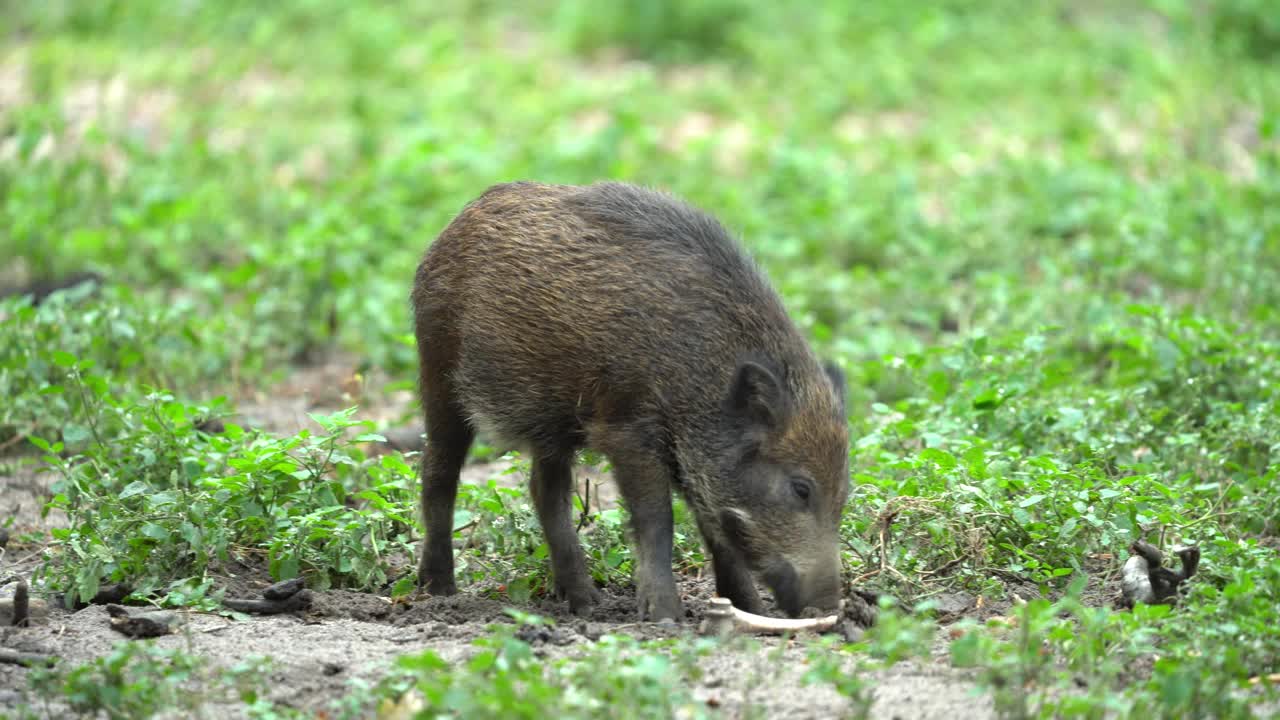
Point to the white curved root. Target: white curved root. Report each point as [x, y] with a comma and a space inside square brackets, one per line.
[723, 618]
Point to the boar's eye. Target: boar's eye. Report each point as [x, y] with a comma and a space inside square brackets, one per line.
[801, 488]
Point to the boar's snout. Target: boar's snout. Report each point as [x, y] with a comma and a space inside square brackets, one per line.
[817, 587]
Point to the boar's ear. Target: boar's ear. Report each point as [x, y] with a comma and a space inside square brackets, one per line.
[757, 395]
[836, 375]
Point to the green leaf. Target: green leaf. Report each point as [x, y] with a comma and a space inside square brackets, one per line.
[155, 532]
[519, 590]
[404, 586]
[987, 400]
[461, 518]
[74, 434]
[87, 583]
[137, 487]
[941, 458]
[1067, 531]
[1070, 418]
[63, 359]
[97, 384]
[481, 662]
[966, 651]
[939, 385]
[396, 464]
[191, 533]
[286, 568]
[1033, 500]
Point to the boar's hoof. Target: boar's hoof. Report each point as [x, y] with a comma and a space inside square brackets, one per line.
[582, 597]
[659, 606]
[438, 585]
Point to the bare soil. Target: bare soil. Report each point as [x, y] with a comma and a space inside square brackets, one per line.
[347, 635]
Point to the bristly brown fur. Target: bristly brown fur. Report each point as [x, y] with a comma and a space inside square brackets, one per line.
[621, 319]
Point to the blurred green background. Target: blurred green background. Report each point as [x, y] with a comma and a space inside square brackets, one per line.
[907, 173]
[1042, 238]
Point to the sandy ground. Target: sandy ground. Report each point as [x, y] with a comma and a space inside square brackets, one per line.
[346, 635]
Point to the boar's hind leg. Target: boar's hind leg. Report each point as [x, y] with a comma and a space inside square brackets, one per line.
[449, 437]
[645, 484]
[552, 490]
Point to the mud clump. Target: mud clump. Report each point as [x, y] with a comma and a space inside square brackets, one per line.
[860, 607]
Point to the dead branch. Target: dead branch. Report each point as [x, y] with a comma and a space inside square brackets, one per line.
[283, 597]
[14, 657]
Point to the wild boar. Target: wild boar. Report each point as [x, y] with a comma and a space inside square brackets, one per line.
[621, 319]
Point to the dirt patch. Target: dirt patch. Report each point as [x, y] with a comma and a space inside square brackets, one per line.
[312, 660]
[348, 636]
[770, 683]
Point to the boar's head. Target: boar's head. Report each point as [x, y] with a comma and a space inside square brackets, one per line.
[784, 466]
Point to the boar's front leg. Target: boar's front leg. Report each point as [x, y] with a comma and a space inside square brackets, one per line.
[552, 489]
[733, 578]
[645, 484]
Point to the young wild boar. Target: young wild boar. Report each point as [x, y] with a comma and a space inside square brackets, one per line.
[620, 319]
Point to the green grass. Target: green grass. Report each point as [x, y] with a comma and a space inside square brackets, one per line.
[1042, 239]
[139, 679]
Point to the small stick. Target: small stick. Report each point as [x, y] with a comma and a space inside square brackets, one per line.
[13, 657]
[107, 595]
[17, 438]
[21, 605]
[298, 601]
[285, 589]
